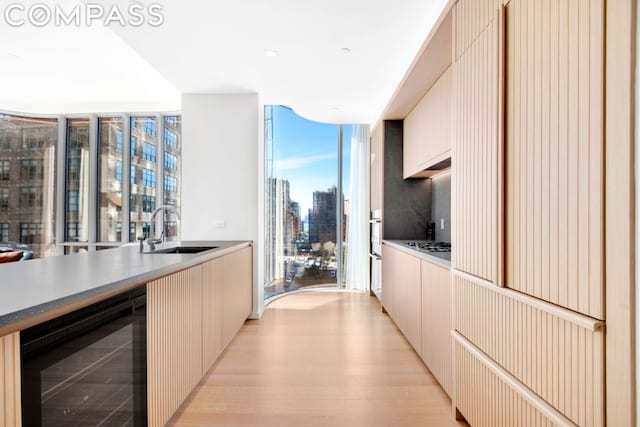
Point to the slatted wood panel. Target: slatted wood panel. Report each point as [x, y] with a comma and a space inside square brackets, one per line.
[401, 293]
[10, 403]
[471, 18]
[212, 277]
[487, 396]
[174, 341]
[475, 157]
[389, 275]
[237, 292]
[427, 129]
[437, 323]
[559, 359]
[621, 220]
[377, 157]
[412, 303]
[554, 152]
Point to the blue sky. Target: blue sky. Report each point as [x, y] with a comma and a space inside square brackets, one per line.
[306, 154]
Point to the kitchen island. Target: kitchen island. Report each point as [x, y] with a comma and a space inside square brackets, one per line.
[195, 304]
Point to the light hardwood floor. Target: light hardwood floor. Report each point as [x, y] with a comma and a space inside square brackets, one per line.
[318, 359]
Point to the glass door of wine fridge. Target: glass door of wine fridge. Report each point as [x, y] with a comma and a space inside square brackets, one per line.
[88, 368]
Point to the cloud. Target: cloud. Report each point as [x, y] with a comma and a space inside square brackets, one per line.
[301, 162]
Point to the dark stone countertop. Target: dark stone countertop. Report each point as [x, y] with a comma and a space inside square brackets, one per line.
[37, 290]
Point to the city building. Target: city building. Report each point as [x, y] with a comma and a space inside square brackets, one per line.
[282, 229]
[29, 184]
[526, 111]
[322, 218]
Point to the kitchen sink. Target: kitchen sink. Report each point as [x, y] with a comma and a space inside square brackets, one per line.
[183, 250]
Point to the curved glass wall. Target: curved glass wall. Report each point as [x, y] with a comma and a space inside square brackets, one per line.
[305, 215]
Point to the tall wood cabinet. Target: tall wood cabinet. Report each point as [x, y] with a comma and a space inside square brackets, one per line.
[555, 152]
[528, 198]
[476, 152]
[542, 277]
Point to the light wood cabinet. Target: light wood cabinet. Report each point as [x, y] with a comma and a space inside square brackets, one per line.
[236, 292]
[212, 309]
[554, 352]
[376, 174]
[555, 152]
[10, 397]
[437, 323]
[471, 17]
[390, 283]
[427, 129]
[191, 317]
[387, 272]
[174, 341]
[489, 396]
[412, 301]
[542, 200]
[401, 293]
[417, 296]
[476, 161]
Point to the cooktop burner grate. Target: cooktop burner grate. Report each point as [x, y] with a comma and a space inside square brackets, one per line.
[430, 246]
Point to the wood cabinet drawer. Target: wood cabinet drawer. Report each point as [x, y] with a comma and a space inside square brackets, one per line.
[554, 352]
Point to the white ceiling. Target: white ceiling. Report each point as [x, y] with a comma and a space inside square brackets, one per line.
[70, 69]
[219, 47]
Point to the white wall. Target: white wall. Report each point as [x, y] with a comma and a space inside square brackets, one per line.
[221, 172]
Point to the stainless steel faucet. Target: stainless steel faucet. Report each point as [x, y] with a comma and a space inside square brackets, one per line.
[152, 240]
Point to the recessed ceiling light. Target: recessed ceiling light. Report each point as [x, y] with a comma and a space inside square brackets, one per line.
[345, 50]
[271, 53]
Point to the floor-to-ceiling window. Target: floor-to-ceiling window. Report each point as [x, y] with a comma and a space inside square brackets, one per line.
[110, 182]
[144, 175]
[27, 182]
[171, 141]
[114, 170]
[305, 215]
[77, 183]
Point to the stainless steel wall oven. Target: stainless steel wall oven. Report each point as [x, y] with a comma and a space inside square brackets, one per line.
[375, 252]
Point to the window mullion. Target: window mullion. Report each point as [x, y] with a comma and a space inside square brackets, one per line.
[159, 174]
[339, 213]
[61, 179]
[93, 181]
[126, 177]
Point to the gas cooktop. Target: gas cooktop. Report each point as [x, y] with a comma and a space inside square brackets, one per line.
[429, 246]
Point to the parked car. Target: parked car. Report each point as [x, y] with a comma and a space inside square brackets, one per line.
[27, 252]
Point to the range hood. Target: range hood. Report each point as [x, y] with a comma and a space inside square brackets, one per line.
[434, 169]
